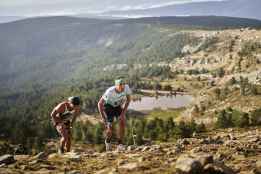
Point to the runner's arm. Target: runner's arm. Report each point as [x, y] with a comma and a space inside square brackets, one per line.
[126, 105]
[58, 109]
[101, 109]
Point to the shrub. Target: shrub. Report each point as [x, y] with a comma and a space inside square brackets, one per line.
[224, 120]
[255, 117]
[234, 118]
[240, 119]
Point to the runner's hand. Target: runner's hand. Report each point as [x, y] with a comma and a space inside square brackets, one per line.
[104, 121]
[56, 121]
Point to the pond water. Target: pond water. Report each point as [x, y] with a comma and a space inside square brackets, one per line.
[163, 102]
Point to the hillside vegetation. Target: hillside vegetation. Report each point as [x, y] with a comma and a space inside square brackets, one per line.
[45, 60]
[50, 50]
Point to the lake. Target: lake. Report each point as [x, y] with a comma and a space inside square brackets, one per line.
[163, 102]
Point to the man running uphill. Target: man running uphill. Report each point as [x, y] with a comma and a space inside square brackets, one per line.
[63, 117]
[114, 104]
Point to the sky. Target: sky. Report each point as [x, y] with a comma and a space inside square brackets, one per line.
[73, 7]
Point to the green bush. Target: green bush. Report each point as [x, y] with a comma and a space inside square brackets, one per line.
[240, 119]
[234, 118]
[162, 130]
[255, 117]
[224, 120]
[98, 134]
[249, 48]
[186, 130]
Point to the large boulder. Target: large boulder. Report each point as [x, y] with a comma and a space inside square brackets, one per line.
[188, 165]
[200, 163]
[204, 158]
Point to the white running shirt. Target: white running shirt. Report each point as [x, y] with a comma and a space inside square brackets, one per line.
[114, 98]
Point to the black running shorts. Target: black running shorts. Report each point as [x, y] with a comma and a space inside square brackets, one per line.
[112, 112]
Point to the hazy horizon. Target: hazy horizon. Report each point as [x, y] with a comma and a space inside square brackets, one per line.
[74, 7]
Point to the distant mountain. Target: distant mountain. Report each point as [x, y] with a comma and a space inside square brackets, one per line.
[96, 16]
[47, 50]
[52, 49]
[5, 19]
[232, 8]
[199, 21]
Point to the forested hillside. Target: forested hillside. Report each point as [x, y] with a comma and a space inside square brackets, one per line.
[54, 49]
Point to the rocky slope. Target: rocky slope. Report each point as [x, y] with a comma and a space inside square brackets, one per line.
[220, 152]
[237, 53]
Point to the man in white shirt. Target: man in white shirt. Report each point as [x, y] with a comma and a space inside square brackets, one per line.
[114, 104]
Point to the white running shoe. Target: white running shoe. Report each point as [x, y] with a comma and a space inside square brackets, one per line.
[121, 148]
[60, 151]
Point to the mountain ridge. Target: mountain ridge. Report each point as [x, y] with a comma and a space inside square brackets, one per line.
[29, 45]
[232, 8]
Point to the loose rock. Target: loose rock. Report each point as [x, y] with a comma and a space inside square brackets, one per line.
[188, 165]
[7, 159]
